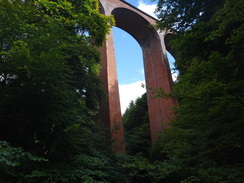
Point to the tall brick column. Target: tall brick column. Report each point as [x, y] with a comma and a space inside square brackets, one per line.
[157, 74]
[110, 112]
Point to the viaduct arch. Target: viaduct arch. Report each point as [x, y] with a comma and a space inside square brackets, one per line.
[157, 71]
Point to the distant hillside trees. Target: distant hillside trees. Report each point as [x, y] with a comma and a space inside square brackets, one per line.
[137, 129]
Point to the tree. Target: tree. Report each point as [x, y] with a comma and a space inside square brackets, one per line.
[49, 91]
[137, 129]
[205, 143]
[182, 15]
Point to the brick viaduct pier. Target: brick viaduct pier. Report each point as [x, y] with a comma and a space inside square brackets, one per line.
[157, 71]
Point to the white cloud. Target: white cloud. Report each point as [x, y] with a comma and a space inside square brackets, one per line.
[174, 76]
[132, 91]
[129, 92]
[147, 8]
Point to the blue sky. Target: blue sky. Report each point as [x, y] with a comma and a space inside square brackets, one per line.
[129, 60]
[128, 52]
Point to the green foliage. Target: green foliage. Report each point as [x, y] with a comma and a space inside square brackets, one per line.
[205, 143]
[15, 158]
[137, 129]
[182, 15]
[49, 66]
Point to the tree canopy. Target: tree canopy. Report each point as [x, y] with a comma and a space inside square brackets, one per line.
[182, 15]
[49, 91]
[205, 143]
[137, 129]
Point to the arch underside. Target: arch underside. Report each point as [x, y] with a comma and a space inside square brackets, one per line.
[137, 26]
